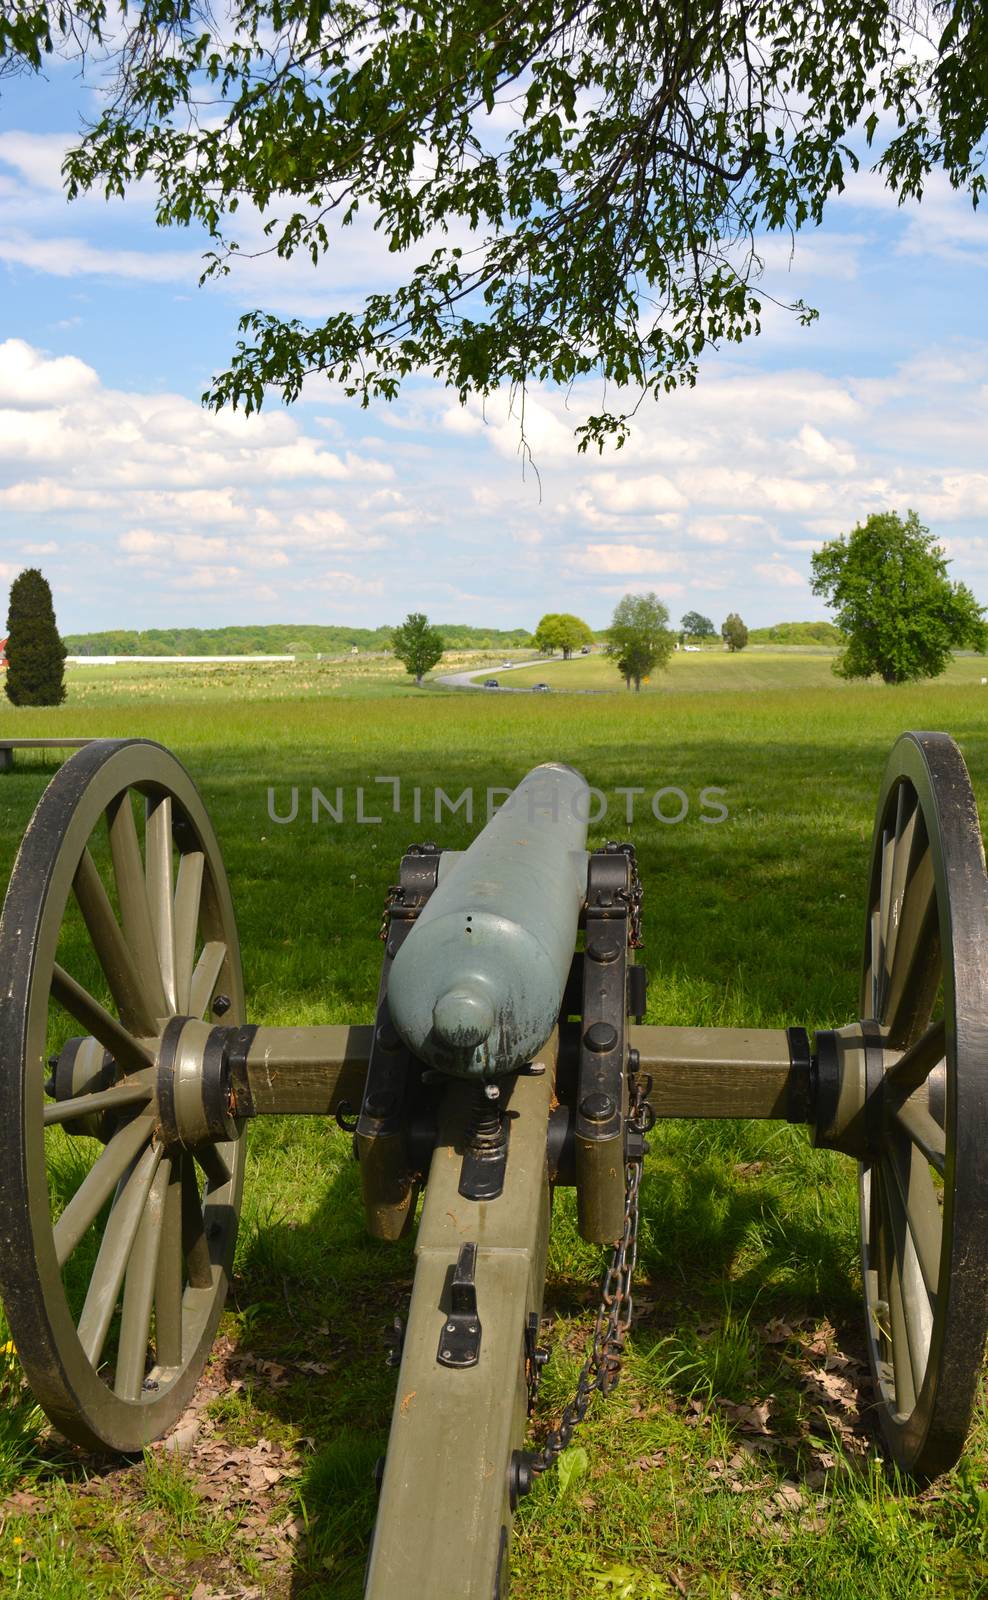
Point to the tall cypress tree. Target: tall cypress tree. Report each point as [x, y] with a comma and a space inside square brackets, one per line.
[35, 653]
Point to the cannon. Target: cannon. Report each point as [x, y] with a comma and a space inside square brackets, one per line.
[507, 1055]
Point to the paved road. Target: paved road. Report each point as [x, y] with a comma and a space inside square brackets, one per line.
[464, 680]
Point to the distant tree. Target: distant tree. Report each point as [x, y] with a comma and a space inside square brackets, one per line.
[734, 633]
[898, 610]
[417, 644]
[35, 653]
[560, 630]
[638, 639]
[696, 626]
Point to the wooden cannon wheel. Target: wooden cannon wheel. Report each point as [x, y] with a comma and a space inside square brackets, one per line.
[924, 1183]
[115, 1242]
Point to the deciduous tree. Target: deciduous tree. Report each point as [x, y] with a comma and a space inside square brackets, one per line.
[638, 639]
[899, 612]
[609, 226]
[560, 630]
[417, 644]
[696, 626]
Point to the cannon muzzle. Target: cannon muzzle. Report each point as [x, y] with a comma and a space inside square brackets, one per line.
[475, 989]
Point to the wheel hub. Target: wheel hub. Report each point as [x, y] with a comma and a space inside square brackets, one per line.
[196, 1098]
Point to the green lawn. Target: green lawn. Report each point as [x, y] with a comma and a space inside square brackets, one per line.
[735, 1459]
[762, 668]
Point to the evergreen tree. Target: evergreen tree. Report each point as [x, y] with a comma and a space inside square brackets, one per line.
[35, 653]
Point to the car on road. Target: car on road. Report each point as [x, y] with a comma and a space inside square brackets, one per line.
[505, 663]
[540, 688]
[491, 683]
[584, 649]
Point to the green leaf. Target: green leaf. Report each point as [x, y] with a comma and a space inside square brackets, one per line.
[573, 1464]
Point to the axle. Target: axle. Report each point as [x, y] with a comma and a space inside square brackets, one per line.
[207, 1076]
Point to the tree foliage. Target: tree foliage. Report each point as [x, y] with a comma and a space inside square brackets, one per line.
[638, 639]
[560, 630]
[696, 626]
[734, 633]
[796, 633]
[895, 605]
[35, 654]
[417, 644]
[580, 185]
[277, 638]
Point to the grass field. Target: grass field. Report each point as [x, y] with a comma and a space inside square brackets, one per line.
[717, 670]
[735, 1460]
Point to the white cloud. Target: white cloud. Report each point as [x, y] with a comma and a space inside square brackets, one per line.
[777, 572]
[28, 378]
[631, 559]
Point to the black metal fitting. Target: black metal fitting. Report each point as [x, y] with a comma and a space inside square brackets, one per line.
[221, 1005]
[521, 1478]
[800, 1097]
[637, 992]
[459, 1342]
[597, 1107]
[485, 1156]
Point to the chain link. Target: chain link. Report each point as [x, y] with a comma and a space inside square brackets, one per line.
[602, 1367]
[633, 897]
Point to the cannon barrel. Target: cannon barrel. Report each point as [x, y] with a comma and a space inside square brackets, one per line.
[476, 987]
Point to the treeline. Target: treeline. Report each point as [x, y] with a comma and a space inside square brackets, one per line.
[275, 639]
[797, 633]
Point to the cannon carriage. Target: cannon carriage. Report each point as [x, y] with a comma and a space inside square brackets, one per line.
[507, 1055]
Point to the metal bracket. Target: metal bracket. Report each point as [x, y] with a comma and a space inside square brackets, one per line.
[459, 1343]
[536, 1357]
[485, 1155]
[381, 1144]
[601, 1099]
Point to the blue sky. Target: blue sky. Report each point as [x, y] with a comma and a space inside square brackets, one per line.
[144, 510]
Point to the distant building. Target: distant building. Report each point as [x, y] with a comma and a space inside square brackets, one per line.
[3, 655]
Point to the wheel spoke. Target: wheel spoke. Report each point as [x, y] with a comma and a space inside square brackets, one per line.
[906, 832]
[126, 1051]
[188, 896]
[158, 848]
[912, 1068]
[205, 977]
[134, 1092]
[924, 1132]
[114, 1254]
[878, 1238]
[916, 1309]
[195, 1246]
[879, 957]
[213, 1163]
[168, 1282]
[98, 1185]
[902, 1371]
[135, 908]
[918, 1198]
[915, 972]
[142, 1270]
[129, 994]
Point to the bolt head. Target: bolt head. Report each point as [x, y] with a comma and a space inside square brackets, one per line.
[597, 1107]
[600, 1037]
[381, 1104]
[221, 1005]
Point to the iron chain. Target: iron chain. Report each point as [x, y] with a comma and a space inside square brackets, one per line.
[602, 1367]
